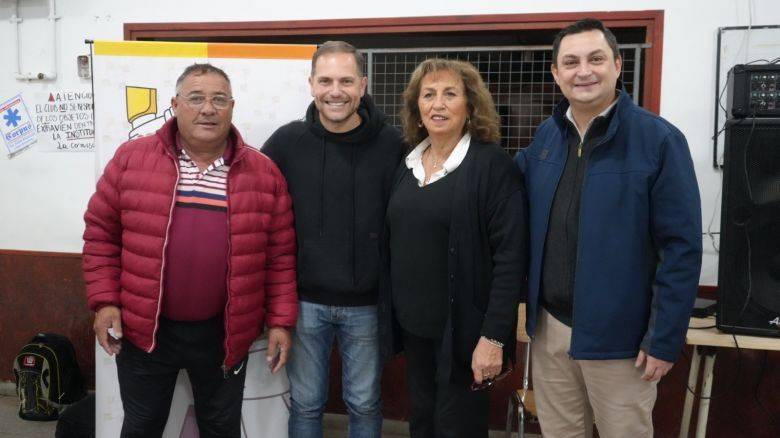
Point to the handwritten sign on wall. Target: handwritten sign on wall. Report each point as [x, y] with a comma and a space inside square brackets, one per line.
[64, 121]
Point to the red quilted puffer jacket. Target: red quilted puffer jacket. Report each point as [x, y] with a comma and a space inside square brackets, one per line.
[127, 222]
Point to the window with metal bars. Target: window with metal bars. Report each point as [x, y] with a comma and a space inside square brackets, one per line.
[518, 77]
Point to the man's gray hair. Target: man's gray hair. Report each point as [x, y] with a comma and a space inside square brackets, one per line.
[197, 70]
[329, 47]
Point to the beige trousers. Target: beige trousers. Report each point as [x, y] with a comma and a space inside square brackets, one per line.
[571, 394]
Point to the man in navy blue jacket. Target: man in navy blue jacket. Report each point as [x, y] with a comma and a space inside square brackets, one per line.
[615, 222]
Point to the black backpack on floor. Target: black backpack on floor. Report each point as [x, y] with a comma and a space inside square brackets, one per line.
[47, 377]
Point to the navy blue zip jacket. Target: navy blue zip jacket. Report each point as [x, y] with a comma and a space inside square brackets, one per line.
[639, 248]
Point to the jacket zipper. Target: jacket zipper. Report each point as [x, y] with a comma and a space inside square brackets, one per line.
[579, 224]
[227, 276]
[165, 247]
[579, 227]
[569, 276]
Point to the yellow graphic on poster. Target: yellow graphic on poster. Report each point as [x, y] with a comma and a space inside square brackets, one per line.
[141, 105]
[140, 102]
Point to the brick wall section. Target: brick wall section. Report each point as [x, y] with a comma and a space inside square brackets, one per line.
[45, 292]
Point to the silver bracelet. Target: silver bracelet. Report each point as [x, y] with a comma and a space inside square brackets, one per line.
[493, 342]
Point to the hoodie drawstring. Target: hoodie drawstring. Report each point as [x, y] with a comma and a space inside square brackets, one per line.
[354, 215]
[322, 188]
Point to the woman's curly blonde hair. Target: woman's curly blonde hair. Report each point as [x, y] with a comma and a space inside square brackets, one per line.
[482, 123]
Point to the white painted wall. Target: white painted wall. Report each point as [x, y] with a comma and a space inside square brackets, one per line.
[43, 195]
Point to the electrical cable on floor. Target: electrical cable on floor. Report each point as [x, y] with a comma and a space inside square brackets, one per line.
[759, 378]
[730, 387]
[715, 209]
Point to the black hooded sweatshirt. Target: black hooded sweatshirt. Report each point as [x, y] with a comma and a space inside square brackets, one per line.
[340, 186]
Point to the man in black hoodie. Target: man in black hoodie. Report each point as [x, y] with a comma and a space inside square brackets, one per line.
[339, 164]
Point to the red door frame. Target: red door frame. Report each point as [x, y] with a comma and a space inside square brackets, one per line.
[652, 21]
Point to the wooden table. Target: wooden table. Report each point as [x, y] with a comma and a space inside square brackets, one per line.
[706, 341]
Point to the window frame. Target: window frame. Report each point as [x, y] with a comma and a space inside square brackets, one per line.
[651, 20]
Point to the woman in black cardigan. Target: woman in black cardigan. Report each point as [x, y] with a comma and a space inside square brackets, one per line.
[457, 238]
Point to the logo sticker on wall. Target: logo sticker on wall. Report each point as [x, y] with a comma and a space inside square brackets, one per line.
[16, 126]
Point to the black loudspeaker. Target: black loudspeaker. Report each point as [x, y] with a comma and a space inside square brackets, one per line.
[749, 265]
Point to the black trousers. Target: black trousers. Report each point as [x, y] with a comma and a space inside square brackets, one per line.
[440, 410]
[147, 380]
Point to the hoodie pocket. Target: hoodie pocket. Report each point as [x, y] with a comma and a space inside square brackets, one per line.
[325, 264]
[367, 264]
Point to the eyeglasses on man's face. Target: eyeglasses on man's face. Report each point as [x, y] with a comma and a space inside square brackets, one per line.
[196, 101]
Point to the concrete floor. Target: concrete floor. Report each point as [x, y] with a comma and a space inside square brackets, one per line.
[11, 426]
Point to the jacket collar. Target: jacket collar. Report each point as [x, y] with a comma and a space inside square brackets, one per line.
[167, 136]
[622, 107]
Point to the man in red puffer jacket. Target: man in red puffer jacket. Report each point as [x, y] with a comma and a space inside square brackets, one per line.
[189, 249]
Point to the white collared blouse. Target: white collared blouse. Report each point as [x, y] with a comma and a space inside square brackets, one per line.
[414, 160]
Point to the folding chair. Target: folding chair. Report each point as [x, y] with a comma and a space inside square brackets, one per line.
[521, 402]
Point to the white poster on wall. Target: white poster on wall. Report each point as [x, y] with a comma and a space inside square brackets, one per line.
[135, 81]
[133, 86]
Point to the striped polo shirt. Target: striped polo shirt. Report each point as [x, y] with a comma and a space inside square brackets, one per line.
[203, 189]
[195, 282]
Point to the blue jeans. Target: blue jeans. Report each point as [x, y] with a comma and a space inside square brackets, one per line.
[355, 329]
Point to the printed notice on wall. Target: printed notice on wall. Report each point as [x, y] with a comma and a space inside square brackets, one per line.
[64, 121]
[16, 127]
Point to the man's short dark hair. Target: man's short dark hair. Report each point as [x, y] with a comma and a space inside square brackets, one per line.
[329, 47]
[200, 69]
[585, 25]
